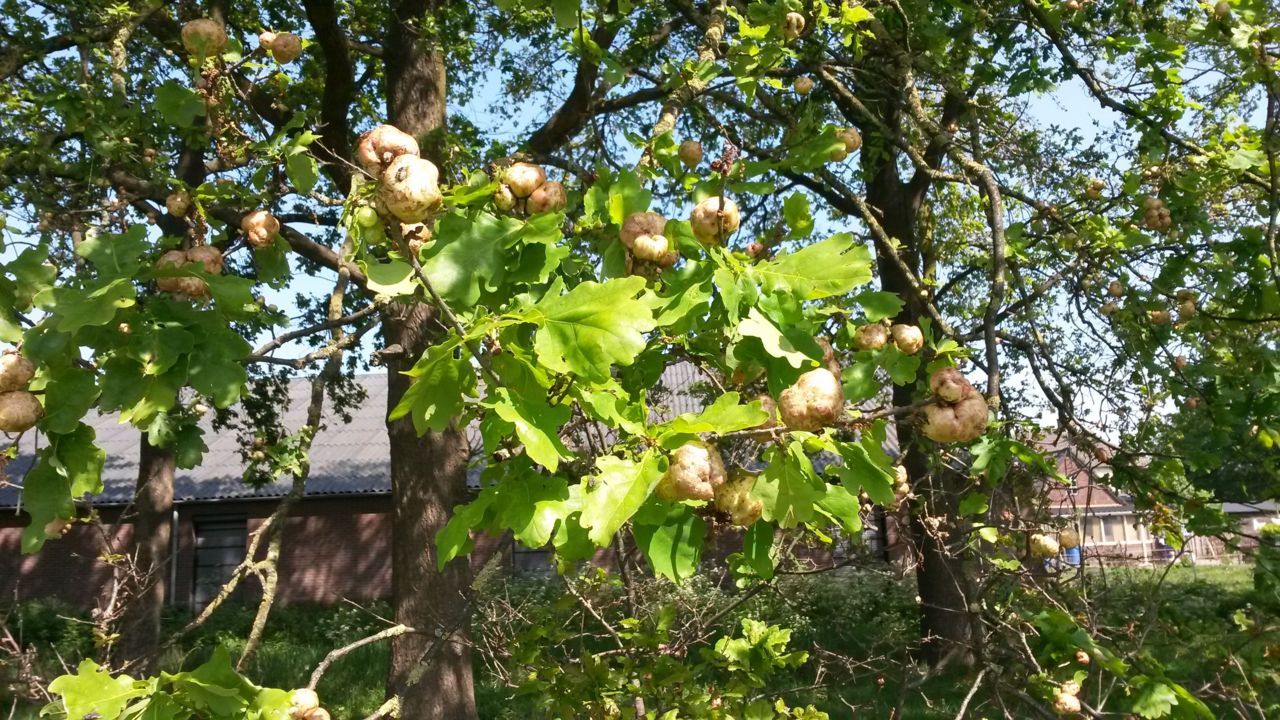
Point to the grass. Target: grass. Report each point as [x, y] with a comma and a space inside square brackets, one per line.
[859, 615]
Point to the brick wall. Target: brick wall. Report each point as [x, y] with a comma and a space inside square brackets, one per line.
[67, 570]
[334, 552]
[334, 549]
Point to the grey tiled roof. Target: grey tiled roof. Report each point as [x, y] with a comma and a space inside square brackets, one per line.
[346, 458]
[1260, 507]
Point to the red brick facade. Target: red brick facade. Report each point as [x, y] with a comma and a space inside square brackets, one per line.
[335, 548]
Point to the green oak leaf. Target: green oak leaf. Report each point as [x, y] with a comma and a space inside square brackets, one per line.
[454, 539]
[467, 256]
[865, 466]
[530, 504]
[178, 105]
[75, 308]
[673, 547]
[116, 255]
[842, 508]
[902, 368]
[393, 278]
[592, 327]
[757, 549]
[974, 503]
[303, 171]
[609, 403]
[232, 293]
[877, 305]
[214, 687]
[795, 210]
[627, 196]
[825, 269]
[69, 467]
[222, 379]
[788, 487]
[31, 273]
[441, 382]
[69, 392]
[685, 303]
[618, 489]
[159, 347]
[860, 381]
[537, 424]
[775, 343]
[724, 415]
[91, 691]
[1154, 698]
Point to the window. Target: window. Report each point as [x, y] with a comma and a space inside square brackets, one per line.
[1093, 529]
[531, 561]
[220, 547]
[1115, 528]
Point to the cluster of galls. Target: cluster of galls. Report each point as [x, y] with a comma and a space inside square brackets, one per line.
[304, 704]
[649, 250]
[285, 47]
[408, 185]
[697, 472]
[814, 401]
[901, 487]
[208, 37]
[958, 412]
[1094, 189]
[260, 228]
[19, 409]
[208, 257]
[714, 219]
[851, 140]
[901, 492]
[874, 336]
[793, 25]
[525, 188]
[1186, 305]
[1068, 538]
[1155, 216]
[1066, 700]
[1043, 547]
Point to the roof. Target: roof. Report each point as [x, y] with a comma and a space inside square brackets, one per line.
[1260, 508]
[346, 458]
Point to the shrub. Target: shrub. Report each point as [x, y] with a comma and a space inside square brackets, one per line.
[1266, 569]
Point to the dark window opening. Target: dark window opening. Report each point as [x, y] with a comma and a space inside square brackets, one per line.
[220, 548]
[537, 561]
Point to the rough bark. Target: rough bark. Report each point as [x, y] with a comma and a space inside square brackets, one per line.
[153, 505]
[430, 669]
[948, 630]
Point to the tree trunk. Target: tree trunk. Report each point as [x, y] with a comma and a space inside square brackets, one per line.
[430, 670]
[153, 507]
[949, 631]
